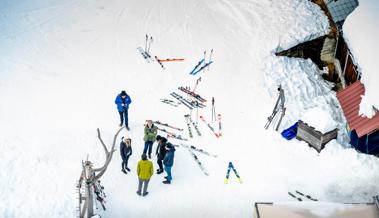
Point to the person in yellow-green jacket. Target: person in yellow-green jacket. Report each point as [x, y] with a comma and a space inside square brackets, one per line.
[150, 132]
[144, 171]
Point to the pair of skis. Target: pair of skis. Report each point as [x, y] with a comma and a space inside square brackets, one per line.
[170, 102]
[192, 94]
[202, 64]
[231, 167]
[198, 150]
[219, 134]
[167, 125]
[172, 135]
[161, 61]
[300, 195]
[198, 162]
[189, 120]
[190, 104]
[146, 53]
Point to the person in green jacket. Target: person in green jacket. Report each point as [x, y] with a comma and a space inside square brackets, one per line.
[145, 170]
[150, 133]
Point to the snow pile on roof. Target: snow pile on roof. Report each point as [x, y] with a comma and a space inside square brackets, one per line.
[362, 33]
[324, 125]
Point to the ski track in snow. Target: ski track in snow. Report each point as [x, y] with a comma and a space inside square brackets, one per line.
[64, 63]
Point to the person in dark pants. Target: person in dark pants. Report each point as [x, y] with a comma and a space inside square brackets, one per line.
[126, 152]
[144, 171]
[168, 162]
[123, 101]
[150, 132]
[160, 152]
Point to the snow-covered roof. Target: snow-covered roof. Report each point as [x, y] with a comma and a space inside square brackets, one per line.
[361, 32]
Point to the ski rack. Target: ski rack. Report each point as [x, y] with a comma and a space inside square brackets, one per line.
[279, 107]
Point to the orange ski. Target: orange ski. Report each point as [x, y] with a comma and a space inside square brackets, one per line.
[172, 59]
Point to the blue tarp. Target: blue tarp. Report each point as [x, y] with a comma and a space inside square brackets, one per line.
[291, 132]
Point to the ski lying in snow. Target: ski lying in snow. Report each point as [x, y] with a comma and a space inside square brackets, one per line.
[169, 102]
[197, 66]
[173, 135]
[99, 192]
[202, 68]
[194, 125]
[182, 100]
[160, 63]
[198, 162]
[167, 125]
[191, 93]
[198, 150]
[171, 59]
[219, 125]
[231, 167]
[193, 103]
[144, 54]
[188, 125]
[307, 196]
[210, 127]
[292, 195]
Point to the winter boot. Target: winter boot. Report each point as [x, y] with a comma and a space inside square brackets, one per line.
[124, 171]
[167, 182]
[144, 194]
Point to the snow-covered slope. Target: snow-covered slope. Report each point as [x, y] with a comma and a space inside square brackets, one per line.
[62, 64]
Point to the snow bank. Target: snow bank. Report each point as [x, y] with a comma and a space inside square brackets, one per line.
[362, 33]
[320, 119]
[308, 96]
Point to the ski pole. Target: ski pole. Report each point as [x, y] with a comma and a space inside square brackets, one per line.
[210, 58]
[146, 42]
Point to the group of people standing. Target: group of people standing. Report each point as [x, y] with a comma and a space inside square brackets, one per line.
[165, 150]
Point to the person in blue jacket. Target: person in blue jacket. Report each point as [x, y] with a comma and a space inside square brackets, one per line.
[123, 101]
[168, 162]
[125, 151]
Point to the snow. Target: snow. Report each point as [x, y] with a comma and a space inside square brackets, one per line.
[361, 33]
[62, 63]
[312, 118]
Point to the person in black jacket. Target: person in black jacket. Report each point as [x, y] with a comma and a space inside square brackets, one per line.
[160, 152]
[126, 152]
[168, 162]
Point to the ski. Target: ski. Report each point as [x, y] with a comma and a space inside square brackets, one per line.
[307, 196]
[100, 194]
[231, 167]
[198, 150]
[193, 103]
[292, 195]
[191, 93]
[167, 125]
[182, 100]
[198, 162]
[197, 66]
[194, 125]
[219, 124]
[173, 135]
[188, 125]
[144, 55]
[202, 68]
[210, 127]
[171, 59]
[160, 63]
[169, 102]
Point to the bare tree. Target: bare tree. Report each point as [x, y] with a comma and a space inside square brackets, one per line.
[90, 178]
